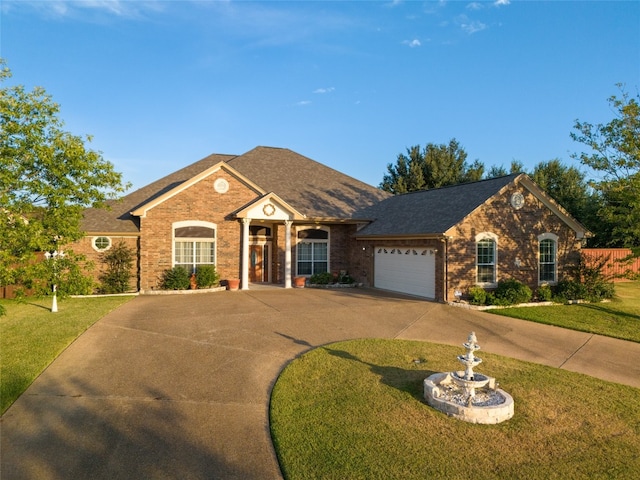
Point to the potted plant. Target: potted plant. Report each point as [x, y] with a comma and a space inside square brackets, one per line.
[299, 282]
[233, 284]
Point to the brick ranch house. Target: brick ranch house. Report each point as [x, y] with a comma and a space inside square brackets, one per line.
[271, 214]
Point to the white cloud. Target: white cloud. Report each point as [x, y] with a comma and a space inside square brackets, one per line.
[412, 43]
[499, 3]
[470, 26]
[475, 6]
[303, 103]
[473, 27]
[324, 90]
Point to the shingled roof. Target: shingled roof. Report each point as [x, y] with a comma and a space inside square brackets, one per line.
[313, 189]
[429, 212]
[119, 219]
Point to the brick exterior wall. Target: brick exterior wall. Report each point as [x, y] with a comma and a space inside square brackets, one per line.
[517, 232]
[95, 267]
[199, 202]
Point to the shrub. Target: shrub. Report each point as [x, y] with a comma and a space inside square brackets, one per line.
[321, 278]
[599, 291]
[567, 290]
[477, 295]
[176, 278]
[206, 276]
[588, 282]
[119, 261]
[512, 292]
[344, 277]
[544, 293]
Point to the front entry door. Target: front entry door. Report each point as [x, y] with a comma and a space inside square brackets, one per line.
[258, 263]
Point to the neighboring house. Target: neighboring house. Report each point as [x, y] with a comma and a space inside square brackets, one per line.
[271, 214]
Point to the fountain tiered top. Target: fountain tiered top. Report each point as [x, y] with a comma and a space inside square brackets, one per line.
[469, 360]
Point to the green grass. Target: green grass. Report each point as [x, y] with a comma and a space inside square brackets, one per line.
[31, 337]
[619, 318]
[354, 410]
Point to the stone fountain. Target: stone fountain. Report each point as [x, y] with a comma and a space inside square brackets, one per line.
[468, 395]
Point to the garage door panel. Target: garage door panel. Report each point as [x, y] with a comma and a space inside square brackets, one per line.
[405, 270]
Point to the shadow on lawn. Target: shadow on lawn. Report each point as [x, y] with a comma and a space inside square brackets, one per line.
[610, 311]
[409, 380]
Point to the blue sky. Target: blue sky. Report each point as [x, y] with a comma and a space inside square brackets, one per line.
[161, 84]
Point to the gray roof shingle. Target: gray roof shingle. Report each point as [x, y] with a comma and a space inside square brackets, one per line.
[313, 189]
[118, 217]
[429, 212]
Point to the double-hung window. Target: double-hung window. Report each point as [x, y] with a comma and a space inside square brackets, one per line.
[486, 253]
[194, 244]
[547, 271]
[312, 251]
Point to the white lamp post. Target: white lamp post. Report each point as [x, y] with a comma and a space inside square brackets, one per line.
[53, 257]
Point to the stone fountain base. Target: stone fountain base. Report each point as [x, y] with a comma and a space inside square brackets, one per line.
[489, 405]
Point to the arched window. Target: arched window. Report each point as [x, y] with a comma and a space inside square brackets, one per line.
[547, 255]
[194, 244]
[312, 251]
[486, 258]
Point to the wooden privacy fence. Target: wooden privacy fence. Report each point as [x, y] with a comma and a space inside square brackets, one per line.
[615, 267]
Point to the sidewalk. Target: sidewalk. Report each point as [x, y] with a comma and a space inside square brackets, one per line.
[179, 386]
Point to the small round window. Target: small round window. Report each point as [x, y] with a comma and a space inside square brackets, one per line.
[101, 243]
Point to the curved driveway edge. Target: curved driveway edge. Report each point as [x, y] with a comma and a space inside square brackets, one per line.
[179, 386]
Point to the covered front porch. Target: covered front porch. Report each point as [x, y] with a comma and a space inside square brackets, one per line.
[259, 221]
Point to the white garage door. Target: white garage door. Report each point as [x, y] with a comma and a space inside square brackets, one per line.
[406, 269]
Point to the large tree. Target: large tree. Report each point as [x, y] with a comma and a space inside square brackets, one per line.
[432, 167]
[615, 155]
[47, 178]
[566, 185]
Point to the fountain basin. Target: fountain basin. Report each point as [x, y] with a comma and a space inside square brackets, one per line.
[489, 406]
[478, 381]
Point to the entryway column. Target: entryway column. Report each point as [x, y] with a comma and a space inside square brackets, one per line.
[287, 253]
[245, 253]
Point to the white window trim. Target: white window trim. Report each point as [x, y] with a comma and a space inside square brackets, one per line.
[328, 242]
[93, 243]
[554, 237]
[193, 223]
[487, 236]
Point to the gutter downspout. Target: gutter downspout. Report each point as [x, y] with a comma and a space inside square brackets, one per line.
[446, 269]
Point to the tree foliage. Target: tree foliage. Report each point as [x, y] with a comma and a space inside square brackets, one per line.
[117, 274]
[434, 166]
[47, 178]
[566, 185]
[615, 154]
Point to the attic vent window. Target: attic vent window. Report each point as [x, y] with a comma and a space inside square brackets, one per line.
[221, 185]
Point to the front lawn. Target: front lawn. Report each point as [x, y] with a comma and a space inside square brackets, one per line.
[354, 410]
[31, 337]
[619, 318]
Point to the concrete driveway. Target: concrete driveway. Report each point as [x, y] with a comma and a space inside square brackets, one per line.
[178, 386]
